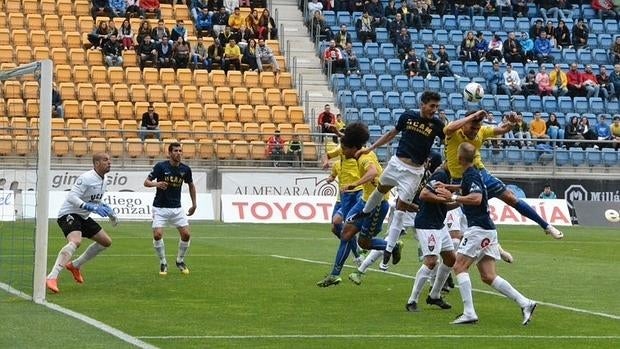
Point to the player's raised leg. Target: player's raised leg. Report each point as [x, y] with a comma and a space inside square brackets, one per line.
[102, 241]
[64, 256]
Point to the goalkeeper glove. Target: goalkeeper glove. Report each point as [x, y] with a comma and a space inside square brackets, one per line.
[103, 210]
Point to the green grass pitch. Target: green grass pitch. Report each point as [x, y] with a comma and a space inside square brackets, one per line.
[240, 294]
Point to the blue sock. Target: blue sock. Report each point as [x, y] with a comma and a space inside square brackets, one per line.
[341, 256]
[529, 212]
[337, 229]
[378, 244]
[353, 246]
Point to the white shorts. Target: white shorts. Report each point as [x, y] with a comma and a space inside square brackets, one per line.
[478, 242]
[174, 216]
[456, 220]
[405, 177]
[433, 242]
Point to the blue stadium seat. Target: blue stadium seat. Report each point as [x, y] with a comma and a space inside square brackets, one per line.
[351, 30]
[594, 157]
[519, 68]
[518, 102]
[456, 101]
[532, 10]
[584, 56]
[610, 157]
[396, 113]
[587, 12]
[613, 107]
[503, 103]
[534, 103]
[530, 156]
[600, 56]
[392, 100]
[441, 37]
[449, 22]
[577, 157]
[494, 24]
[597, 105]
[377, 100]
[509, 24]
[448, 84]
[358, 48]
[354, 82]
[375, 132]
[611, 26]
[367, 115]
[401, 83]
[378, 66]
[360, 99]
[464, 23]
[364, 65]
[580, 104]
[596, 26]
[569, 55]
[370, 82]
[384, 117]
[352, 115]
[523, 24]
[471, 69]
[394, 66]
[565, 104]
[550, 104]
[387, 50]
[562, 157]
[344, 99]
[338, 82]
[436, 22]
[385, 83]
[433, 84]
[415, 36]
[457, 67]
[451, 50]
[462, 82]
[355, 16]
[372, 50]
[479, 23]
[593, 38]
[455, 37]
[443, 103]
[513, 155]
[383, 154]
[488, 102]
[408, 100]
[382, 34]
[450, 114]
[330, 18]
[496, 156]
[418, 84]
[426, 36]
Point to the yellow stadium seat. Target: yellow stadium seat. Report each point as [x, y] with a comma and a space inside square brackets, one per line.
[94, 128]
[245, 113]
[303, 130]
[85, 92]
[184, 77]
[37, 38]
[3, 112]
[63, 73]
[82, 8]
[241, 150]
[201, 77]
[20, 37]
[223, 95]
[296, 115]
[52, 22]
[19, 126]
[152, 147]
[182, 130]
[85, 23]
[34, 21]
[229, 112]
[77, 56]
[258, 150]
[60, 146]
[89, 110]
[71, 109]
[250, 79]
[135, 147]
[235, 79]
[2, 19]
[284, 80]
[112, 128]
[212, 112]
[286, 130]
[138, 93]
[234, 131]
[129, 59]
[115, 75]
[103, 92]
[273, 97]
[262, 113]
[257, 96]
[189, 94]
[124, 111]
[80, 74]
[190, 148]
[207, 94]
[140, 108]
[66, 90]
[6, 54]
[120, 92]
[267, 130]
[29, 6]
[310, 151]
[115, 146]
[166, 10]
[217, 77]
[75, 128]
[167, 76]
[64, 7]
[172, 93]
[73, 40]
[267, 80]
[166, 128]
[15, 108]
[155, 93]
[133, 75]
[205, 150]
[251, 131]
[59, 55]
[17, 21]
[58, 127]
[162, 109]
[99, 75]
[194, 112]
[289, 97]
[33, 108]
[23, 54]
[217, 130]
[177, 111]
[279, 114]
[12, 89]
[199, 130]
[6, 145]
[150, 76]
[223, 149]
[240, 95]
[130, 128]
[5, 35]
[41, 53]
[69, 24]
[107, 110]
[98, 145]
[23, 145]
[30, 89]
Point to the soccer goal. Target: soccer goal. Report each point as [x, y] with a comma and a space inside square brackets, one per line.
[24, 185]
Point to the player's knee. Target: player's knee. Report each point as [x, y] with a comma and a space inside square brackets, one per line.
[448, 259]
[185, 235]
[430, 262]
[157, 235]
[510, 198]
[487, 278]
[364, 243]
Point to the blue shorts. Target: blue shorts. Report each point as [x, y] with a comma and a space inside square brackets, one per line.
[372, 225]
[336, 208]
[495, 187]
[347, 201]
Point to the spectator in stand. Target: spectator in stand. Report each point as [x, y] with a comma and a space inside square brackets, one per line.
[147, 52]
[550, 30]
[220, 21]
[554, 128]
[326, 121]
[264, 55]
[562, 36]
[204, 22]
[181, 53]
[350, 60]
[547, 194]
[603, 132]
[575, 82]
[249, 55]
[113, 52]
[313, 6]
[294, 150]
[615, 81]
[615, 131]
[468, 51]
[390, 11]
[339, 124]
[267, 26]
[230, 5]
[251, 23]
[559, 81]
[365, 28]
[504, 8]
[475, 7]
[530, 86]
[275, 148]
[197, 7]
[495, 81]
[226, 35]
[112, 30]
[232, 56]
[403, 43]
[429, 62]
[342, 37]
[542, 49]
[572, 131]
[605, 9]
[489, 8]
[521, 131]
[406, 13]
[519, 7]
[159, 32]
[150, 7]
[536, 29]
[544, 82]
[118, 8]
[527, 47]
[375, 10]
[607, 88]
[496, 49]
[133, 9]
[178, 31]
[614, 51]
[125, 35]
[411, 63]
[200, 55]
[57, 108]
[553, 8]
[236, 20]
[319, 27]
[143, 31]
[580, 34]
[215, 54]
[513, 53]
[538, 127]
[164, 53]
[396, 26]
[482, 46]
[333, 55]
[150, 123]
[590, 82]
[443, 66]
[99, 36]
[587, 132]
[101, 8]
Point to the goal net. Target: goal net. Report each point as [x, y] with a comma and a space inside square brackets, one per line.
[25, 147]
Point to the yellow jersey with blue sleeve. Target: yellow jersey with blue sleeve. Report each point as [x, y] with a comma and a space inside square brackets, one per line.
[452, 144]
[364, 162]
[349, 172]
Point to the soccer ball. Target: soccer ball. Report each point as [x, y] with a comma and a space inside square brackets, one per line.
[473, 92]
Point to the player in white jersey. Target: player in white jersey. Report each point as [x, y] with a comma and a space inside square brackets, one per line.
[74, 220]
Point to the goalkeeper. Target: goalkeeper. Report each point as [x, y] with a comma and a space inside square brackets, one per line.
[75, 222]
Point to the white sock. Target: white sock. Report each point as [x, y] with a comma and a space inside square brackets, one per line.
[456, 243]
[394, 231]
[443, 271]
[89, 254]
[63, 257]
[183, 246]
[505, 288]
[420, 279]
[373, 201]
[465, 289]
[372, 257]
[160, 249]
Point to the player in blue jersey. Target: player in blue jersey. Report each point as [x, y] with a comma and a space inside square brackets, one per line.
[479, 244]
[168, 177]
[406, 168]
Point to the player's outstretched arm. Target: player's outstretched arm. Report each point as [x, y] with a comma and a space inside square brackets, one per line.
[458, 124]
[192, 195]
[369, 176]
[383, 140]
[506, 126]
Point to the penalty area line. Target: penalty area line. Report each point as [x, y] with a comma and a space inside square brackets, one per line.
[381, 336]
[553, 305]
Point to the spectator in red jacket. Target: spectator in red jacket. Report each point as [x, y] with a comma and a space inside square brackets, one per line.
[326, 120]
[150, 7]
[575, 81]
[275, 148]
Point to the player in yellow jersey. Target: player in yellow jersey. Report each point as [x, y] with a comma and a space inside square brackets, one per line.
[470, 130]
[369, 170]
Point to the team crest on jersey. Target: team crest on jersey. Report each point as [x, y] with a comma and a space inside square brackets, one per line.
[431, 243]
[485, 242]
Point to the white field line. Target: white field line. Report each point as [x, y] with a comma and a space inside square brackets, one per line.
[381, 336]
[553, 305]
[81, 317]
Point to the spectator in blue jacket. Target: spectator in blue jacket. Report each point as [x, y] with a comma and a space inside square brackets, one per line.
[527, 46]
[495, 81]
[542, 49]
[603, 131]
